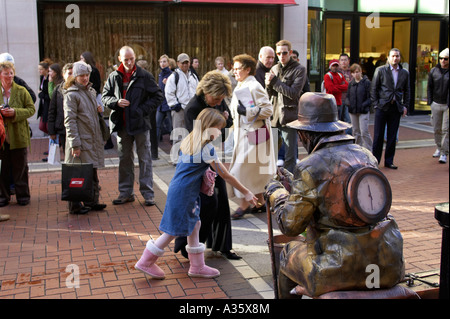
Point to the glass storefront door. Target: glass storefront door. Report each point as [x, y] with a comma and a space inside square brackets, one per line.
[427, 58]
[337, 38]
[376, 40]
[401, 36]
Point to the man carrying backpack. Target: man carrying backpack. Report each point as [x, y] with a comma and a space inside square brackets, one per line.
[180, 88]
[335, 83]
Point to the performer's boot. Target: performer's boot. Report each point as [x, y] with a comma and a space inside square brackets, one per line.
[198, 267]
[146, 263]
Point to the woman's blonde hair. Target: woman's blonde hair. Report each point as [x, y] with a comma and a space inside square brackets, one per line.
[214, 83]
[7, 65]
[199, 137]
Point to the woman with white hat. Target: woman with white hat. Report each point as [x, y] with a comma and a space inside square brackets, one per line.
[83, 133]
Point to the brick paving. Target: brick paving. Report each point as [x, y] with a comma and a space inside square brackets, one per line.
[41, 242]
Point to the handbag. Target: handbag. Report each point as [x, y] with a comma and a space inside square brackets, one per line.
[77, 182]
[208, 182]
[259, 135]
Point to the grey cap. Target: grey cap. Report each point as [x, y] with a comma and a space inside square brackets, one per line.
[183, 57]
[317, 112]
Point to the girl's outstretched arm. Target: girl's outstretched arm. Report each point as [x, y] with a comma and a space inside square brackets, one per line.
[230, 179]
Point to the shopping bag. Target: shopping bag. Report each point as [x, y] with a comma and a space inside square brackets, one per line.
[77, 182]
[54, 155]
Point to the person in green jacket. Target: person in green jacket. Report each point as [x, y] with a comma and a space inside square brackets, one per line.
[16, 107]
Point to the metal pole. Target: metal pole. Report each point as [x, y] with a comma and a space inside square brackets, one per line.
[441, 214]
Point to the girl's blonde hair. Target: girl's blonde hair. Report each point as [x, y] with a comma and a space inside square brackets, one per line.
[70, 81]
[215, 84]
[199, 137]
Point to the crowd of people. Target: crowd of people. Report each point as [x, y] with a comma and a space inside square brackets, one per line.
[256, 101]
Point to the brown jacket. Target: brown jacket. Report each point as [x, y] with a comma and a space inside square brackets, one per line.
[286, 87]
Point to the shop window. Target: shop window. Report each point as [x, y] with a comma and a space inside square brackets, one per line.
[209, 32]
[103, 31]
[404, 6]
[376, 41]
[202, 31]
[332, 5]
[427, 58]
[433, 6]
[314, 47]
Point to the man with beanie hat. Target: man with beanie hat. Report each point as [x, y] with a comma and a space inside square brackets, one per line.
[132, 94]
[335, 83]
[437, 90]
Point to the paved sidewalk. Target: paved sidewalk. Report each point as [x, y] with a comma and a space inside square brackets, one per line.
[42, 245]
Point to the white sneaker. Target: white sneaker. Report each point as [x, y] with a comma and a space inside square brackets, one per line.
[280, 163]
[443, 159]
[437, 153]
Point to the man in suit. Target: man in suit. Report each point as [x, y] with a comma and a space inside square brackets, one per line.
[390, 94]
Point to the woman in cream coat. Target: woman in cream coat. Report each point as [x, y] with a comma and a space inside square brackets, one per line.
[83, 133]
[253, 165]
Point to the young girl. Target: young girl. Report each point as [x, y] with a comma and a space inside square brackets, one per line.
[358, 102]
[182, 213]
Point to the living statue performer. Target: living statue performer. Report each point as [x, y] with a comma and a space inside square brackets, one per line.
[342, 200]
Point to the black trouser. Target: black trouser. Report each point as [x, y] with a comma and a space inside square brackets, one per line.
[216, 221]
[153, 135]
[390, 119]
[14, 164]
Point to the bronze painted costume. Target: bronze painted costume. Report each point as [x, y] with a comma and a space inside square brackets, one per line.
[339, 246]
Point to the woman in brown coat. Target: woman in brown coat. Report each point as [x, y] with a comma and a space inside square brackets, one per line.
[83, 133]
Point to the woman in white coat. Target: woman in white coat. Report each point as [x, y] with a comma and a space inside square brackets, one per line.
[253, 162]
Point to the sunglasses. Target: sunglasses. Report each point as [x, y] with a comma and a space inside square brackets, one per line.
[445, 59]
[282, 53]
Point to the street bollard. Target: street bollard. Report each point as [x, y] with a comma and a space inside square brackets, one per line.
[441, 214]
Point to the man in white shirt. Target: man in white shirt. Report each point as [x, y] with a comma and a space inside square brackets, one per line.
[180, 88]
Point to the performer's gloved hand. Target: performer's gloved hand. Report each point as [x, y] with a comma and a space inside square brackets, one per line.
[271, 187]
[177, 107]
[241, 109]
[286, 178]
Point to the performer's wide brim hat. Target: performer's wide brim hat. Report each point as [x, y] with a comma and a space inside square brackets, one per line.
[318, 112]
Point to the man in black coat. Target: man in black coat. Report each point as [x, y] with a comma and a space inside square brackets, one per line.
[390, 95]
[132, 94]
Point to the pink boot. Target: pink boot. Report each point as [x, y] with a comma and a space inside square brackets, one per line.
[147, 262]
[198, 267]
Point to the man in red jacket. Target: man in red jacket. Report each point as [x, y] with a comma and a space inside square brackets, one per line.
[335, 83]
